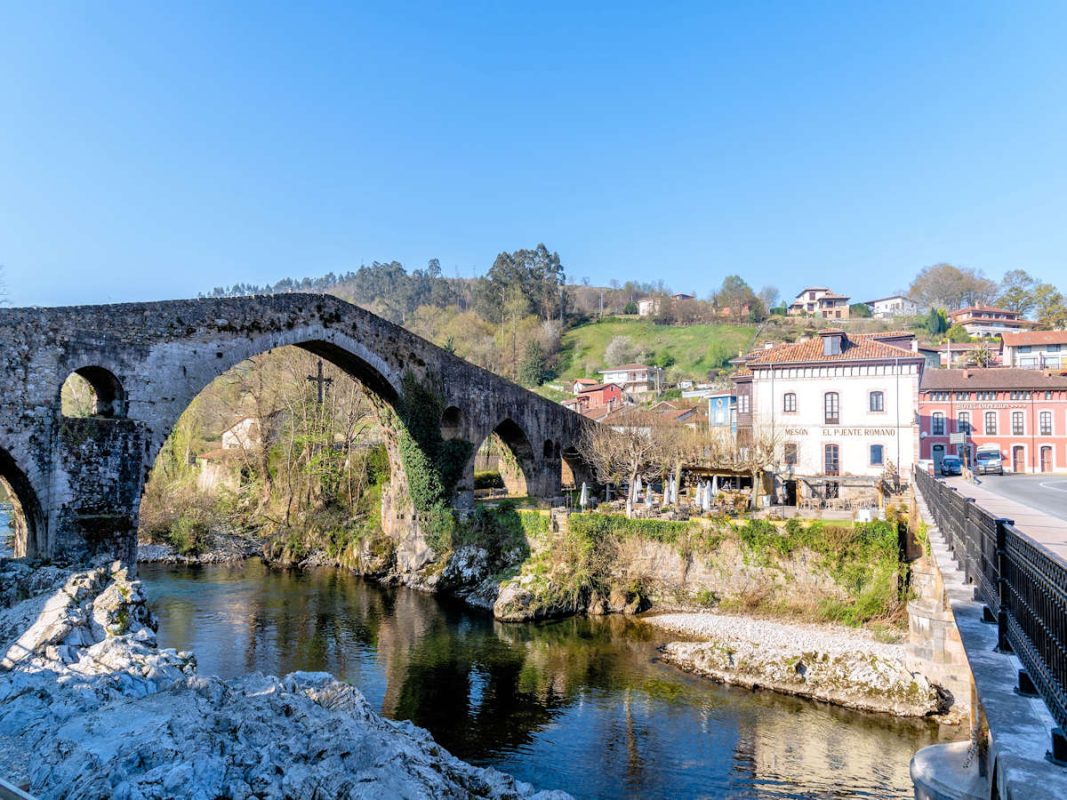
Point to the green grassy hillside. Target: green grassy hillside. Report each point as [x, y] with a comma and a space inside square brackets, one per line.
[693, 349]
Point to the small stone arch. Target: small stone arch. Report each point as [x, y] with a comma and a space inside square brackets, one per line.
[515, 457]
[107, 397]
[548, 450]
[27, 519]
[575, 470]
[451, 423]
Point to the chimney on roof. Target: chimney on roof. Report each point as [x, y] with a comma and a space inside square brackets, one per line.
[768, 345]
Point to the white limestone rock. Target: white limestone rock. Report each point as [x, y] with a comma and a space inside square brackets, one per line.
[836, 666]
[105, 714]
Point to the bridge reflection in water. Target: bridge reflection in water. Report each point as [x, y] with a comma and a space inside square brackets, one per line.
[579, 704]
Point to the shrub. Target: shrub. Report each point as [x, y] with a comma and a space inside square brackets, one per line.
[489, 479]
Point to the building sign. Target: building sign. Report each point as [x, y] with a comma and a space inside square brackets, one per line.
[837, 431]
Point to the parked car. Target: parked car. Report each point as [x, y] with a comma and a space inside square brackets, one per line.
[951, 465]
[988, 462]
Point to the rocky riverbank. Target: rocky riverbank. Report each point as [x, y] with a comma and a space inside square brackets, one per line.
[106, 714]
[224, 549]
[841, 666]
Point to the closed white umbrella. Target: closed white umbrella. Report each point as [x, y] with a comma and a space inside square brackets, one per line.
[648, 498]
[700, 495]
[583, 500]
[637, 487]
[714, 485]
[707, 497]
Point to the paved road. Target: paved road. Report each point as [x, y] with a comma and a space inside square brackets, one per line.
[1038, 504]
[1046, 493]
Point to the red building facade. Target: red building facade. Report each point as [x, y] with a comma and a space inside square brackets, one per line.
[1021, 411]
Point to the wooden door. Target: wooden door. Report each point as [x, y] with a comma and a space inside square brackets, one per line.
[1046, 459]
[1018, 463]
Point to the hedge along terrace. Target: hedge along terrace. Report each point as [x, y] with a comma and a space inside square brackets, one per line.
[812, 571]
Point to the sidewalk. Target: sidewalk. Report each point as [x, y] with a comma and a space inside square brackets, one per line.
[1050, 531]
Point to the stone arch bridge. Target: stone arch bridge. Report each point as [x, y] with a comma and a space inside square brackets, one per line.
[79, 481]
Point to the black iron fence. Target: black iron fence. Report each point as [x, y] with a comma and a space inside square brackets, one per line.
[1023, 585]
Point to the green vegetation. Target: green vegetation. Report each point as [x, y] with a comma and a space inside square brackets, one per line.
[596, 527]
[693, 350]
[860, 562]
[863, 559]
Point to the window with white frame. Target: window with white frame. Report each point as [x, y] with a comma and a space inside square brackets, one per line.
[991, 423]
[1018, 427]
[937, 423]
[1045, 423]
[789, 403]
[832, 408]
[876, 401]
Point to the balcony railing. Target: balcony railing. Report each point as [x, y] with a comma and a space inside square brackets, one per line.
[1041, 362]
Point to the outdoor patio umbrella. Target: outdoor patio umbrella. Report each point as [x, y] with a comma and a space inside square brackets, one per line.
[583, 500]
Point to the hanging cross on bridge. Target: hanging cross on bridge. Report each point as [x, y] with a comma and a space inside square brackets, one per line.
[322, 383]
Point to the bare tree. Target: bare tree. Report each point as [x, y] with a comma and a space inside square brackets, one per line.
[621, 454]
[952, 287]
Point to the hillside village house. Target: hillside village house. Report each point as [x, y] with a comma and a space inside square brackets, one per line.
[818, 301]
[1021, 411]
[582, 384]
[242, 435]
[895, 306]
[1035, 350]
[988, 321]
[634, 378]
[599, 394]
[221, 468]
[649, 306]
[842, 407]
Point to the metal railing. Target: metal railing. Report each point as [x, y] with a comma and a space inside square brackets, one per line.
[1023, 585]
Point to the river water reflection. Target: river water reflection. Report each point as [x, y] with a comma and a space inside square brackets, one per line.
[580, 704]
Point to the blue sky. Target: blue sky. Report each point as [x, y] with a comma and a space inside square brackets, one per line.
[151, 151]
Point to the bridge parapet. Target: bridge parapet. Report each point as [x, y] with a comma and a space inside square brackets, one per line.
[1008, 596]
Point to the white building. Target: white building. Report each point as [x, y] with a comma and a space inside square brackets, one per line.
[988, 321]
[1035, 350]
[842, 407]
[647, 307]
[896, 306]
[244, 434]
[635, 378]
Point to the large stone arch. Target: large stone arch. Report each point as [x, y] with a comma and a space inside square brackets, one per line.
[28, 517]
[400, 519]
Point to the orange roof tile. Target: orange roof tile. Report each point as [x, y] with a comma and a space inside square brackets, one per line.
[853, 348]
[1034, 337]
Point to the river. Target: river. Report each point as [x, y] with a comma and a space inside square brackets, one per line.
[580, 704]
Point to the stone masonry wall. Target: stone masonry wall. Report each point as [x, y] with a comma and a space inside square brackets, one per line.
[80, 483]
